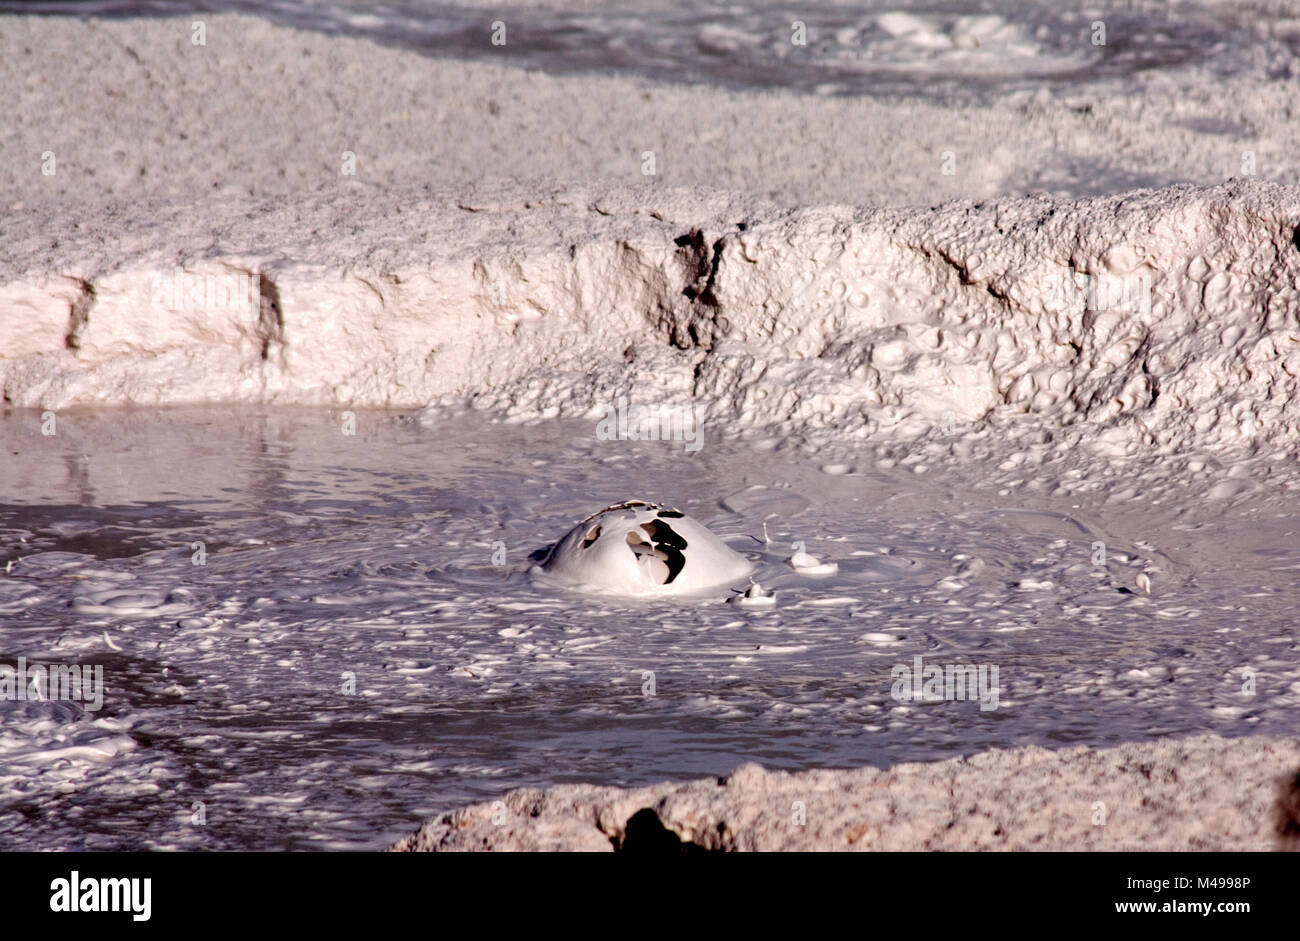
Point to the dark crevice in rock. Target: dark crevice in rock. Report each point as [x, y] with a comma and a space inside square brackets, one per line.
[964, 275]
[1151, 378]
[645, 833]
[711, 260]
[1288, 814]
[701, 323]
[271, 316]
[79, 315]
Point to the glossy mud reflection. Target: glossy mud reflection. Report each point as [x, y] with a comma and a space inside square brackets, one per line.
[350, 659]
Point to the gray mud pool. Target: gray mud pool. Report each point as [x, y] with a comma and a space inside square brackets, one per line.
[364, 644]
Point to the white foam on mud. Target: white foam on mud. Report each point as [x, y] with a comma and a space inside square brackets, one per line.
[952, 404]
[401, 555]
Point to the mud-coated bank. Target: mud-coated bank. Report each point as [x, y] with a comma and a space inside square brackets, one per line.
[1199, 793]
